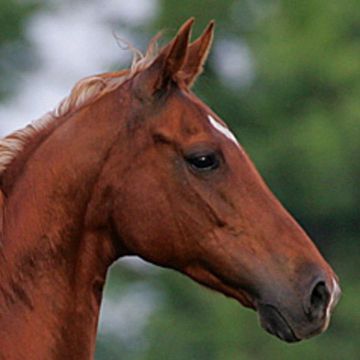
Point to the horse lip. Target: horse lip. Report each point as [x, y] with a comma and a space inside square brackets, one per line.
[275, 323]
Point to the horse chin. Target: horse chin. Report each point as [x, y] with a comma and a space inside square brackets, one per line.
[275, 323]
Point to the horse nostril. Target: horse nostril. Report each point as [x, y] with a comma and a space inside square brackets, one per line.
[319, 301]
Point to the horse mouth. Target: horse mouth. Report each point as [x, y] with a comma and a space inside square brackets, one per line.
[274, 323]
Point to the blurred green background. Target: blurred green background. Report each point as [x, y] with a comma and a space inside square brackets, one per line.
[290, 90]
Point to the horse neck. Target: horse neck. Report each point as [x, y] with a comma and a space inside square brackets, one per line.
[54, 258]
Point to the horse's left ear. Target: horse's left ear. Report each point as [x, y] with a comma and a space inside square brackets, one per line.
[196, 56]
[166, 65]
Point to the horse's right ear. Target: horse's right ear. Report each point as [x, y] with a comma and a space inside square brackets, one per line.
[165, 66]
[197, 54]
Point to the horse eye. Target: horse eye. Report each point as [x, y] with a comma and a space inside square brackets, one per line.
[204, 161]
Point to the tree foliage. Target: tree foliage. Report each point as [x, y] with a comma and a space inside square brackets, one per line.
[14, 54]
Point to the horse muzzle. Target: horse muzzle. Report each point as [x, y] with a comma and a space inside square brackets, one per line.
[310, 319]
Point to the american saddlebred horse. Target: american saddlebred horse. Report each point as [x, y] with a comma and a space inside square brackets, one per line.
[133, 163]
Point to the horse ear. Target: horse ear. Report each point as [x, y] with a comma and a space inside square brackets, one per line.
[197, 54]
[166, 65]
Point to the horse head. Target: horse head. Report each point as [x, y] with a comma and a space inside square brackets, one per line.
[185, 195]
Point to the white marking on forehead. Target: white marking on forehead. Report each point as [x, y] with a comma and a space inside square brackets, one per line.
[224, 130]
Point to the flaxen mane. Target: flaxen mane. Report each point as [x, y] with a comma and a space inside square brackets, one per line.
[85, 92]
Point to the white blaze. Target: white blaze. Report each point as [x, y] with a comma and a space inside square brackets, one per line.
[224, 130]
[334, 297]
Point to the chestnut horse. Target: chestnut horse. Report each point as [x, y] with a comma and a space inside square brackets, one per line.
[133, 163]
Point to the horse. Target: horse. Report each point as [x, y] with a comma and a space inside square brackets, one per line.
[133, 163]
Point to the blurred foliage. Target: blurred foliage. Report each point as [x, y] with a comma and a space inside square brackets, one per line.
[14, 52]
[299, 119]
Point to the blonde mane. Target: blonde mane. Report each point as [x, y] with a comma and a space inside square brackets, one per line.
[85, 92]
